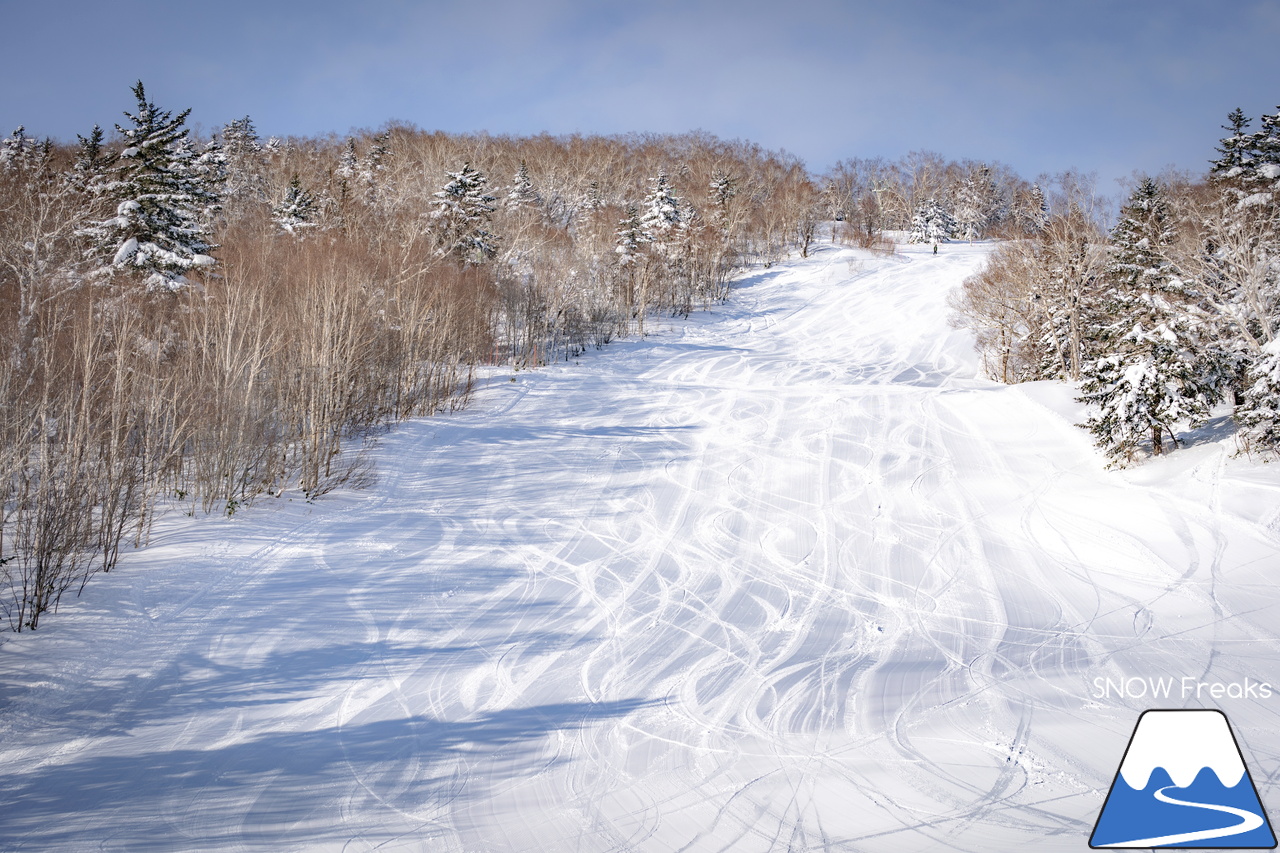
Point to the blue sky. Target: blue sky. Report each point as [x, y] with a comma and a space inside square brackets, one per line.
[1110, 87]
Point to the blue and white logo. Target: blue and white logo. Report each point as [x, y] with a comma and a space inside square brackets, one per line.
[1183, 783]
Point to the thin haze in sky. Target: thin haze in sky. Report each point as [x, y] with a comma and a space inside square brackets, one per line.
[1100, 85]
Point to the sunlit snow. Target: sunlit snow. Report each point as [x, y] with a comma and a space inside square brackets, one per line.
[787, 575]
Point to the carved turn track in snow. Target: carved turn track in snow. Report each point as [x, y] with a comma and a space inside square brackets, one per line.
[785, 576]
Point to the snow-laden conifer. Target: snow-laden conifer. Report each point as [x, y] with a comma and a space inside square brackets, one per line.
[90, 162]
[1150, 371]
[461, 217]
[1258, 415]
[348, 161]
[161, 201]
[371, 169]
[1236, 155]
[297, 210]
[245, 182]
[1248, 164]
[17, 151]
[521, 193]
[975, 203]
[721, 192]
[661, 217]
[1033, 213]
[631, 239]
[932, 223]
[209, 169]
[593, 199]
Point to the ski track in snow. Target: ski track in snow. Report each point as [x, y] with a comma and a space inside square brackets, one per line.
[781, 577]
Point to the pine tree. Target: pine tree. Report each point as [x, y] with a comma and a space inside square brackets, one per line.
[521, 192]
[1151, 370]
[371, 169]
[974, 204]
[594, 199]
[243, 154]
[18, 151]
[1236, 154]
[632, 238]
[1035, 215]
[1266, 169]
[160, 201]
[722, 190]
[462, 215]
[240, 139]
[662, 217]
[297, 210]
[209, 168]
[932, 223]
[1248, 164]
[348, 161]
[91, 161]
[1258, 414]
[1267, 143]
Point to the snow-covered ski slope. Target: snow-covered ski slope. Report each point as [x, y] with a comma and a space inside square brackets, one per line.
[786, 576]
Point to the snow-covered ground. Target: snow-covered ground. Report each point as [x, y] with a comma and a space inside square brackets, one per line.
[784, 576]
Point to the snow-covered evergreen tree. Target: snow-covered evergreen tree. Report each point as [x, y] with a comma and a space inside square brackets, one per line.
[1236, 154]
[662, 218]
[932, 223]
[1138, 264]
[161, 201]
[1248, 164]
[1258, 414]
[297, 210]
[1151, 371]
[521, 192]
[240, 139]
[1267, 143]
[1240, 263]
[975, 203]
[209, 168]
[1140, 394]
[371, 169]
[245, 183]
[1266, 167]
[462, 215]
[722, 190]
[91, 160]
[348, 161]
[632, 238]
[594, 198]
[374, 162]
[1033, 214]
[18, 151]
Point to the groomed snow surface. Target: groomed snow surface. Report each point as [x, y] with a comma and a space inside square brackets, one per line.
[785, 576]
